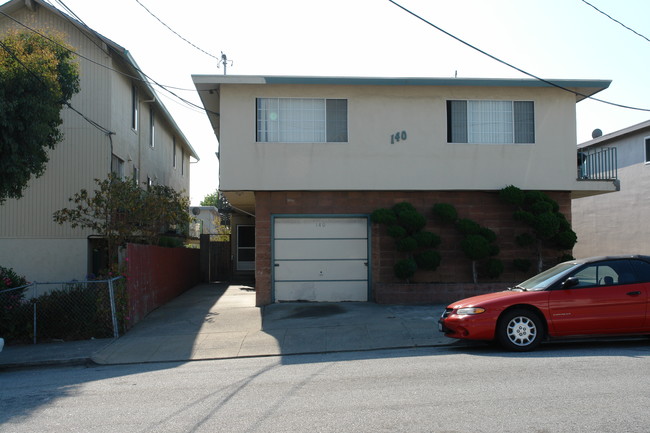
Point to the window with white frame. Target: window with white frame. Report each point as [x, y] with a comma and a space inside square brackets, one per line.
[302, 120]
[647, 150]
[490, 122]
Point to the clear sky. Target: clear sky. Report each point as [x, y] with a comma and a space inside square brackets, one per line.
[565, 39]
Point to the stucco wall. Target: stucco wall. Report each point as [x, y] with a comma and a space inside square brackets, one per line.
[44, 259]
[617, 223]
[425, 161]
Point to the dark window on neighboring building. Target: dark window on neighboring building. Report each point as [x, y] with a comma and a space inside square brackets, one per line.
[647, 149]
[152, 127]
[134, 107]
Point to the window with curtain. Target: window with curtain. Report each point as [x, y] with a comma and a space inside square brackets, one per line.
[490, 122]
[302, 120]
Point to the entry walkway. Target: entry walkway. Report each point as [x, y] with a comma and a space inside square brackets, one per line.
[214, 321]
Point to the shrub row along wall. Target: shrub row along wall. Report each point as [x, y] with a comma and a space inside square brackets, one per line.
[156, 275]
[484, 207]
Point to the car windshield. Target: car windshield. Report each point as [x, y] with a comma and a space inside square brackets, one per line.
[546, 278]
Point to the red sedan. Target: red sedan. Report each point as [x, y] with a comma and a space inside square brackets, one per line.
[589, 297]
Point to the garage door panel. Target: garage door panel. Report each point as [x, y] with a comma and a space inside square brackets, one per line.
[287, 228]
[288, 249]
[321, 270]
[320, 259]
[325, 291]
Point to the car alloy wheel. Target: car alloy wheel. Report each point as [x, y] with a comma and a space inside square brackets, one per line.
[520, 330]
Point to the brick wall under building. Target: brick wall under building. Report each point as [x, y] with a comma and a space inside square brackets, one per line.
[451, 281]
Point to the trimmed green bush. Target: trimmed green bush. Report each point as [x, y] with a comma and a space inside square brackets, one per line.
[513, 195]
[411, 220]
[429, 260]
[383, 216]
[407, 244]
[445, 213]
[427, 239]
[396, 231]
[405, 269]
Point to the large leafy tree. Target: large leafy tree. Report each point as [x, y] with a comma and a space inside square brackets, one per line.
[38, 76]
[121, 211]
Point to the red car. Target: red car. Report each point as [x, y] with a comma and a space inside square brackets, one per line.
[589, 297]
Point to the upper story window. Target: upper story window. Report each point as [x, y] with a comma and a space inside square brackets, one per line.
[152, 127]
[302, 120]
[174, 151]
[182, 162]
[134, 107]
[490, 122]
[647, 149]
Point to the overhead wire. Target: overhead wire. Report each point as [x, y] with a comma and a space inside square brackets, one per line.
[175, 32]
[616, 21]
[493, 57]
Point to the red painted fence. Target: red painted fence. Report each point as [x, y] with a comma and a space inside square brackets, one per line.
[156, 275]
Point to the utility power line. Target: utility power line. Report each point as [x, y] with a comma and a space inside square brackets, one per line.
[513, 66]
[616, 21]
[175, 32]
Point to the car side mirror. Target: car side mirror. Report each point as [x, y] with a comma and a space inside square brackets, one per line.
[570, 282]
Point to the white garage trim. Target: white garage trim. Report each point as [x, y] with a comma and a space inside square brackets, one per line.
[320, 258]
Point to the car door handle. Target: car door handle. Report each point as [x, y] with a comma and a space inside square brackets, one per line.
[633, 293]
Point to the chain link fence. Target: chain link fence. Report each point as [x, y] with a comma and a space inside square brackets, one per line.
[63, 311]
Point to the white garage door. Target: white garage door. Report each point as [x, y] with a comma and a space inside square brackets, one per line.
[320, 259]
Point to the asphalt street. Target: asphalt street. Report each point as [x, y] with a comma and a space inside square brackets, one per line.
[576, 387]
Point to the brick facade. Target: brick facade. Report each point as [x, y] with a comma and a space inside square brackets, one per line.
[451, 281]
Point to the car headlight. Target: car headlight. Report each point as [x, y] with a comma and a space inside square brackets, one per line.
[470, 311]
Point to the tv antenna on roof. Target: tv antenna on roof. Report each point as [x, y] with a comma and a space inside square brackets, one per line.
[224, 62]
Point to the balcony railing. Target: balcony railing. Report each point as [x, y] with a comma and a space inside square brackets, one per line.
[598, 164]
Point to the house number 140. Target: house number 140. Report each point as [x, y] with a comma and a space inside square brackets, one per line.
[397, 137]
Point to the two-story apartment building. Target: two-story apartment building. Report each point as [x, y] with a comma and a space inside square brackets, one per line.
[145, 143]
[617, 223]
[312, 157]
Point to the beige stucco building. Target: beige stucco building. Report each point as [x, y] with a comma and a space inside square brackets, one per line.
[144, 143]
[312, 157]
[617, 223]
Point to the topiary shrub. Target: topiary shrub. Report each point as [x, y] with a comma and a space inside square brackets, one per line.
[407, 244]
[445, 213]
[383, 216]
[396, 231]
[405, 269]
[478, 243]
[427, 239]
[513, 195]
[405, 225]
[549, 228]
[429, 260]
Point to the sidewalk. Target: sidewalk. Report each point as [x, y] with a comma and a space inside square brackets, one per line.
[215, 321]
